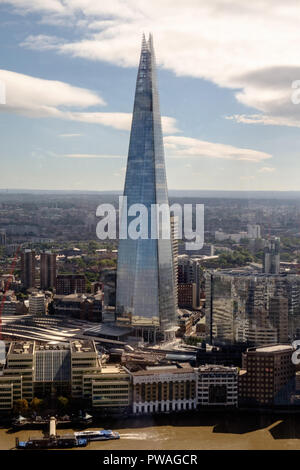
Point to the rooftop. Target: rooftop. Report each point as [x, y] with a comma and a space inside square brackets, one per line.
[217, 368]
[168, 369]
[21, 347]
[82, 346]
[272, 348]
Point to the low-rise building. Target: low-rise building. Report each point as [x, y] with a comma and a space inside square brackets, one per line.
[83, 306]
[160, 389]
[37, 304]
[110, 389]
[217, 386]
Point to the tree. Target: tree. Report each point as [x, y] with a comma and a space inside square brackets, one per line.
[21, 406]
[36, 404]
[62, 402]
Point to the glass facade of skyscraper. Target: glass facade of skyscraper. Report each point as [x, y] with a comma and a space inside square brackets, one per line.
[253, 308]
[145, 276]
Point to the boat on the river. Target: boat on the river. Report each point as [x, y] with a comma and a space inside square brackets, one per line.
[98, 435]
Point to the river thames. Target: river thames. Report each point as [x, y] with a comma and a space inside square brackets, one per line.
[249, 431]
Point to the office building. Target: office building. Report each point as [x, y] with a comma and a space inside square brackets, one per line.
[110, 389]
[187, 296]
[267, 376]
[271, 260]
[174, 233]
[145, 271]
[37, 304]
[252, 308]
[190, 271]
[217, 386]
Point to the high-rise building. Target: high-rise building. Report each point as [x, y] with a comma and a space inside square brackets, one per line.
[28, 268]
[253, 231]
[145, 272]
[48, 270]
[271, 261]
[190, 271]
[253, 308]
[174, 232]
[2, 237]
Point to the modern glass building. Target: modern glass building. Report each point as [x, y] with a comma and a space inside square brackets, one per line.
[145, 275]
[253, 308]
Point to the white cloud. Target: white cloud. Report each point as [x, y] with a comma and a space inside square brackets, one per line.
[70, 135]
[89, 155]
[186, 147]
[41, 98]
[267, 169]
[37, 98]
[228, 43]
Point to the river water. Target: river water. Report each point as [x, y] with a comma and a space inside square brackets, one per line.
[214, 431]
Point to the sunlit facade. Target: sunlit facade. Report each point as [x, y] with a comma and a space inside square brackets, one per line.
[145, 275]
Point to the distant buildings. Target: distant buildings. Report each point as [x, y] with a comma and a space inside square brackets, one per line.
[28, 268]
[235, 237]
[253, 232]
[2, 237]
[82, 306]
[207, 250]
[268, 376]
[271, 260]
[10, 305]
[70, 284]
[48, 270]
[252, 308]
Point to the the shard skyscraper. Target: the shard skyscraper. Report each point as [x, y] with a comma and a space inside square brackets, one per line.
[145, 276]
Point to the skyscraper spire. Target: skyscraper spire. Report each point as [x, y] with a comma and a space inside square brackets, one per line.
[145, 277]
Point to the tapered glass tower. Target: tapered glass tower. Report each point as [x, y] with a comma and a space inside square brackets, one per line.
[145, 276]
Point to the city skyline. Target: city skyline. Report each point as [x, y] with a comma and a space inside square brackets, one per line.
[69, 69]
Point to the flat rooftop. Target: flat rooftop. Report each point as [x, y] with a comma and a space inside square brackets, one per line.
[82, 346]
[272, 348]
[217, 368]
[21, 347]
[112, 369]
[168, 369]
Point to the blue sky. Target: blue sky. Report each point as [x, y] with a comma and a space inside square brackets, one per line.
[69, 70]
